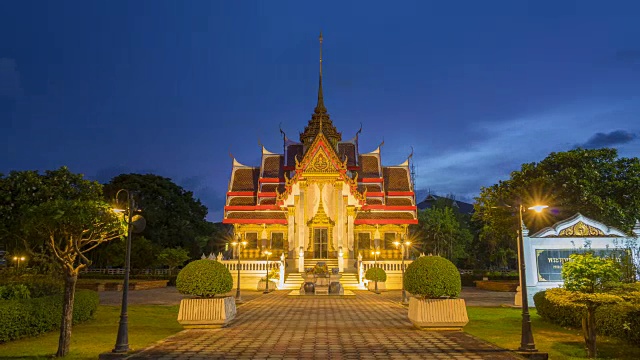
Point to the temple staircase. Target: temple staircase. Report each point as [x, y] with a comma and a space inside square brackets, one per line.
[349, 280]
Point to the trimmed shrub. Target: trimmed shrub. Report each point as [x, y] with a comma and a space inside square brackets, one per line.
[618, 320]
[563, 315]
[30, 317]
[204, 278]
[432, 277]
[376, 273]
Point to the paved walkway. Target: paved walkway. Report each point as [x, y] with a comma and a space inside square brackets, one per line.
[171, 296]
[368, 326]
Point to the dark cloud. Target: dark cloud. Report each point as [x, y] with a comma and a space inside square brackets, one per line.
[613, 138]
[10, 85]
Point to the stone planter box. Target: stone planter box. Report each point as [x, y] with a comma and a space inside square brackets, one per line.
[498, 285]
[262, 284]
[438, 314]
[117, 286]
[206, 313]
[371, 286]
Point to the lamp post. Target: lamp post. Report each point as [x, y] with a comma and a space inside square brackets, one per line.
[526, 341]
[404, 246]
[239, 245]
[122, 341]
[17, 259]
[266, 288]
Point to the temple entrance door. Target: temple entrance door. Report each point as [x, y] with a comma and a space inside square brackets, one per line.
[320, 245]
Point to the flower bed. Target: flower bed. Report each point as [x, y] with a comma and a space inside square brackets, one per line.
[497, 285]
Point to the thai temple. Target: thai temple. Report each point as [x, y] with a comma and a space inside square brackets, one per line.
[322, 198]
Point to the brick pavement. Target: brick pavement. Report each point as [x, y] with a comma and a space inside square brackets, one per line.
[275, 326]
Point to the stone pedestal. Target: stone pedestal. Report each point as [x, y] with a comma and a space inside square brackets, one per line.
[438, 314]
[206, 313]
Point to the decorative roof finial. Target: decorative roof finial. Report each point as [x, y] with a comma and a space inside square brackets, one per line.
[320, 108]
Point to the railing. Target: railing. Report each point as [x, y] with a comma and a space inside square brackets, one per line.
[250, 265]
[386, 265]
[120, 271]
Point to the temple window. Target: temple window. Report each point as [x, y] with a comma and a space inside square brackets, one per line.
[252, 240]
[389, 238]
[364, 241]
[277, 241]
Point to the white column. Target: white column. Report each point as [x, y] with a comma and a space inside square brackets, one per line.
[301, 224]
[350, 219]
[301, 260]
[340, 260]
[291, 230]
[340, 209]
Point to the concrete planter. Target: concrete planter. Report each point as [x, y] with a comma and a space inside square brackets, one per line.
[262, 284]
[206, 313]
[438, 314]
[371, 286]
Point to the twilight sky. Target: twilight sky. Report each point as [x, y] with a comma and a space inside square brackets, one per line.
[171, 87]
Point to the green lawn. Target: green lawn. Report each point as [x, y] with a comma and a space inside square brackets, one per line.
[147, 324]
[502, 326]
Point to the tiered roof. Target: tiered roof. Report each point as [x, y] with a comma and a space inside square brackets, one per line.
[255, 194]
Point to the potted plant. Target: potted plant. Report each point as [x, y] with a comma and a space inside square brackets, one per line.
[321, 273]
[274, 279]
[207, 281]
[373, 274]
[435, 285]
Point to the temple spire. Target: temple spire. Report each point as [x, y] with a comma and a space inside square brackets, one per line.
[320, 108]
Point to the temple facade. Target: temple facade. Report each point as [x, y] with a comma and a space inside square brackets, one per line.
[322, 198]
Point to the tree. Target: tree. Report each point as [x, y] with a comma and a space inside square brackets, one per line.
[443, 231]
[596, 183]
[173, 258]
[174, 217]
[143, 253]
[587, 279]
[61, 215]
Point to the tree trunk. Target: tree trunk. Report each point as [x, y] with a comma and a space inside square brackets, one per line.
[589, 331]
[64, 341]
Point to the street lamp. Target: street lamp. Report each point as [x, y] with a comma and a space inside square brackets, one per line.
[526, 342]
[404, 246]
[239, 246]
[17, 259]
[122, 341]
[266, 288]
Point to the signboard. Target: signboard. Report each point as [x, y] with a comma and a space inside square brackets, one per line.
[550, 261]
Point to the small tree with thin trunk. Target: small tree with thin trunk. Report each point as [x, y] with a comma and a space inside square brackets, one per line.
[173, 257]
[587, 280]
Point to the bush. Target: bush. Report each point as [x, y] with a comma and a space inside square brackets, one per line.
[563, 315]
[618, 320]
[38, 285]
[432, 277]
[376, 273]
[204, 278]
[30, 317]
[14, 292]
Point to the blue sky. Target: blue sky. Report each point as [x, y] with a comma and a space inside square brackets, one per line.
[170, 87]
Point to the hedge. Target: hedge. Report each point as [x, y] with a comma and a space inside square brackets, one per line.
[22, 318]
[618, 320]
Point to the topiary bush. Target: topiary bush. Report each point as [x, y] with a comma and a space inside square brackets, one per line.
[30, 317]
[376, 274]
[563, 315]
[432, 277]
[204, 278]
